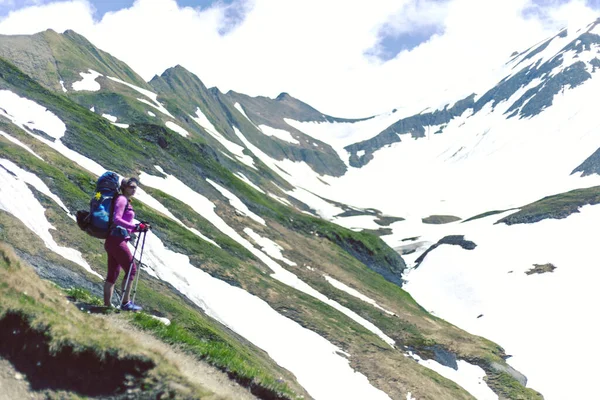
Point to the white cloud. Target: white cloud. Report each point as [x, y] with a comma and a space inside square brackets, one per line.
[417, 15]
[320, 52]
[59, 16]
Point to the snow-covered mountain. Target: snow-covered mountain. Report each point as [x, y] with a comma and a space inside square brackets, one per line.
[301, 239]
[530, 143]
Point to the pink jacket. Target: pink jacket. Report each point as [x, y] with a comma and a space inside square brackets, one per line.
[123, 214]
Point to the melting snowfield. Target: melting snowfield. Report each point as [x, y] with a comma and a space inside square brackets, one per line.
[546, 321]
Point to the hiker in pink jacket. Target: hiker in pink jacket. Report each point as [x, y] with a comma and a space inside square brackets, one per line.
[119, 255]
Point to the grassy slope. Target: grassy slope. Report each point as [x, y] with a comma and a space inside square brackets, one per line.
[188, 161]
[250, 364]
[557, 206]
[74, 351]
[183, 92]
[74, 53]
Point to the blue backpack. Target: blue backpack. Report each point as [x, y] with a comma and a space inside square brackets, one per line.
[97, 221]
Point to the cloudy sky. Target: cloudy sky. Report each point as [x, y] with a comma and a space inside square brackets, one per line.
[345, 58]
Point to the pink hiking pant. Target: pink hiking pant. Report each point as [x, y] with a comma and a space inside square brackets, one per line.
[119, 257]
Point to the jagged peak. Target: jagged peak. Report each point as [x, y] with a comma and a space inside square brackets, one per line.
[74, 35]
[178, 71]
[284, 96]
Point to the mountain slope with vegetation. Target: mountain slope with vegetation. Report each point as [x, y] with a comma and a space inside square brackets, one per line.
[217, 246]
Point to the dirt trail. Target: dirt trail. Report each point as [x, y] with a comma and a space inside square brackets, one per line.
[194, 370]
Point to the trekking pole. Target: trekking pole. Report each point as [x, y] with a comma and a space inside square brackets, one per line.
[137, 278]
[137, 242]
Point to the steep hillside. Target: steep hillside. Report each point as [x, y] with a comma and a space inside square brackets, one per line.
[63, 351]
[56, 60]
[294, 304]
[219, 114]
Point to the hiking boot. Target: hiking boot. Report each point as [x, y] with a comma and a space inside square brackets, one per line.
[129, 306]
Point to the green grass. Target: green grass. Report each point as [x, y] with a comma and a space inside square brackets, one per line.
[507, 386]
[205, 344]
[557, 206]
[54, 332]
[204, 341]
[483, 215]
[82, 295]
[191, 218]
[179, 239]
[440, 219]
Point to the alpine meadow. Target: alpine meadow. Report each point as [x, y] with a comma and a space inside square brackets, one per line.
[446, 254]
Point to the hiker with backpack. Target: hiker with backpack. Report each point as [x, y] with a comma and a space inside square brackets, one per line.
[110, 217]
[119, 255]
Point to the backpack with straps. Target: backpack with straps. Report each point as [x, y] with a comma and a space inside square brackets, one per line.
[97, 221]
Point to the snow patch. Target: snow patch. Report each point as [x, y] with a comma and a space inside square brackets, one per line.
[353, 292]
[468, 376]
[239, 107]
[233, 148]
[17, 199]
[165, 321]
[110, 117]
[322, 207]
[62, 85]
[19, 143]
[341, 134]
[236, 202]
[278, 133]
[31, 115]
[152, 96]
[28, 115]
[88, 83]
[280, 199]
[268, 246]
[248, 181]
[176, 128]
